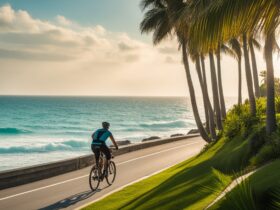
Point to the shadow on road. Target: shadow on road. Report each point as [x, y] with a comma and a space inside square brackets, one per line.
[72, 200]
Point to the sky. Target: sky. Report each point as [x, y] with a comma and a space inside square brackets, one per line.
[92, 47]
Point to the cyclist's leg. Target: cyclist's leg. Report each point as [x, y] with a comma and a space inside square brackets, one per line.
[107, 154]
[96, 150]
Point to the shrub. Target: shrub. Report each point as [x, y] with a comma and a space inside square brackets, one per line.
[257, 139]
[270, 198]
[241, 198]
[232, 126]
[239, 121]
[277, 104]
[261, 106]
[270, 151]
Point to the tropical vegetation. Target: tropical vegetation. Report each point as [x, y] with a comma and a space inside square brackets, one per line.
[209, 28]
[263, 85]
[195, 183]
[239, 140]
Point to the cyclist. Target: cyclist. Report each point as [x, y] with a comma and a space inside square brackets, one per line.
[99, 138]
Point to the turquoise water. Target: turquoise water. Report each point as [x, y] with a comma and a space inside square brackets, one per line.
[36, 130]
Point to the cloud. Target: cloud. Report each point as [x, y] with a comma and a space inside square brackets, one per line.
[35, 56]
[19, 31]
[6, 15]
[170, 59]
[132, 58]
[59, 56]
[168, 50]
[63, 20]
[125, 47]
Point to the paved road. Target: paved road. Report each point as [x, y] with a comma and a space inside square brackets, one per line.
[71, 190]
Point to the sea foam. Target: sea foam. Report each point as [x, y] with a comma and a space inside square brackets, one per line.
[13, 131]
[70, 145]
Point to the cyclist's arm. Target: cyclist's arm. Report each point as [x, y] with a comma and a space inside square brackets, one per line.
[92, 135]
[113, 140]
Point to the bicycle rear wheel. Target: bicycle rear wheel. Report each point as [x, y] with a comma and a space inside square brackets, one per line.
[94, 178]
[111, 173]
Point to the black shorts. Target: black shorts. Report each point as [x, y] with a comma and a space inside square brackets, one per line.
[103, 148]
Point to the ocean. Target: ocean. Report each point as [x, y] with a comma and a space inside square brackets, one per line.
[35, 130]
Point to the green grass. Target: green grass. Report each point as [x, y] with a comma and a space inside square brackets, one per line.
[196, 182]
[262, 185]
[188, 185]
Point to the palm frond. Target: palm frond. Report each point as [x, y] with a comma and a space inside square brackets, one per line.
[236, 48]
[227, 50]
[144, 4]
[223, 19]
[256, 43]
[156, 20]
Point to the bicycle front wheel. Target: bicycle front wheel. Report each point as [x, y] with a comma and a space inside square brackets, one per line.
[94, 178]
[111, 174]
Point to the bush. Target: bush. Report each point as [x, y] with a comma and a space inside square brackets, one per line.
[239, 121]
[232, 126]
[261, 106]
[270, 151]
[241, 197]
[277, 104]
[257, 139]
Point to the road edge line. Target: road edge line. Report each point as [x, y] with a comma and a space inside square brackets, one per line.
[131, 183]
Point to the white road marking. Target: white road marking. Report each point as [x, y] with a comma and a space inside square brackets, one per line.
[156, 153]
[80, 177]
[122, 187]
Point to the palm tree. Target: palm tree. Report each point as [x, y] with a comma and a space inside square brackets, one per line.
[270, 91]
[254, 43]
[215, 91]
[159, 21]
[249, 80]
[222, 48]
[210, 113]
[236, 48]
[220, 85]
[225, 19]
[195, 58]
[210, 122]
[204, 81]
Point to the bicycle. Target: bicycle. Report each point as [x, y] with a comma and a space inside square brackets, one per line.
[96, 175]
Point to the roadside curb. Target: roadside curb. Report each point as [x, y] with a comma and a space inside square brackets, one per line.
[231, 186]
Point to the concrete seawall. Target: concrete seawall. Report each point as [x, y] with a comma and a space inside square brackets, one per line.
[12, 178]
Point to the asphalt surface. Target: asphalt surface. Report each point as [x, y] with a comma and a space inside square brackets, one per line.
[71, 190]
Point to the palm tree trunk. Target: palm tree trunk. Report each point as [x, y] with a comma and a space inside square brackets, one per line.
[239, 81]
[270, 101]
[207, 105]
[215, 92]
[221, 92]
[201, 82]
[192, 95]
[212, 126]
[203, 71]
[206, 89]
[254, 68]
[249, 77]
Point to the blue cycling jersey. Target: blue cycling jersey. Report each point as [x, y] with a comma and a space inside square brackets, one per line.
[101, 135]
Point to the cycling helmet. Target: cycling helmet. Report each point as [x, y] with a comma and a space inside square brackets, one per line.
[105, 125]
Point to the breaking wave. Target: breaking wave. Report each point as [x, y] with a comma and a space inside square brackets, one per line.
[164, 124]
[71, 145]
[12, 131]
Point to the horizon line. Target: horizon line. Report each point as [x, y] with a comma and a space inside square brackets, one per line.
[148, 96]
